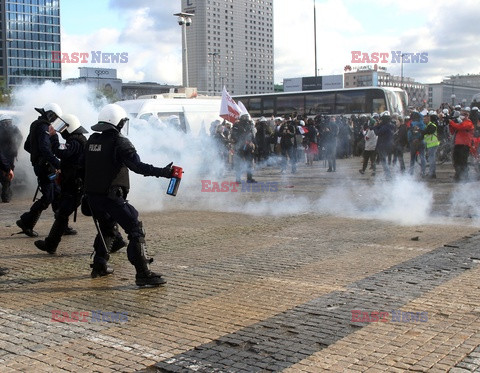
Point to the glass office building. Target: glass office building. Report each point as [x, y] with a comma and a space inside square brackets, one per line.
[30, 33]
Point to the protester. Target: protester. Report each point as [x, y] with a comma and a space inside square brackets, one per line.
[431, 143]
[330, 139]
[243, 139]
[416, 143]
[384, 130]
[462, 130]
[310, 141]
[400, 141]
[369, 151]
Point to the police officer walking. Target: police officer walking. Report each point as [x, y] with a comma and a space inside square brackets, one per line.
[108, 157]
[7, 172]
[39, 143]
[10, 140]
[71, 180]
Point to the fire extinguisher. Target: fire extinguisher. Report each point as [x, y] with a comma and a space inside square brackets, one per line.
[175, 180]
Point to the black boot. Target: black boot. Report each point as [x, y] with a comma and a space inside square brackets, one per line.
[146, 277]
[137, 256]
[69, 231]
[100, 270]
[40, 244]
[25, 229]
[54, 237]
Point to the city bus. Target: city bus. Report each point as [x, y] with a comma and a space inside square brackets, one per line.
[347, 101]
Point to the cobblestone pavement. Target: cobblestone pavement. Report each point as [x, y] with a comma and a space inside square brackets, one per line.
[331, 272]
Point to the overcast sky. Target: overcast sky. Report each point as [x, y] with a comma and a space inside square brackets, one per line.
[448, 31]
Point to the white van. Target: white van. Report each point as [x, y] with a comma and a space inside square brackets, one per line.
[191, 115]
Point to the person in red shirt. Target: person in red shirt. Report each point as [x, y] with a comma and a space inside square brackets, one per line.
[462, 129]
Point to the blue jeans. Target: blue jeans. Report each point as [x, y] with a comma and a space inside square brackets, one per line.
[432, 157]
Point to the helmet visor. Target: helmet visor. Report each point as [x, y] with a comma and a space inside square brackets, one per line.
[59, 125]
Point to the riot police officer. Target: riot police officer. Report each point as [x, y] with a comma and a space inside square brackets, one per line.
[71, 176]
[39, 143]
[7, 172]
[10, 140]
[108, 157]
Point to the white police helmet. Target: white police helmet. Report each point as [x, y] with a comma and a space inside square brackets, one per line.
[245, 117]
[50, 111]
[5, 117]
[52, 106]
[386, 113]
[73, 124]
[111, 116]
[445, 111]
[474, 108]
[432, 112]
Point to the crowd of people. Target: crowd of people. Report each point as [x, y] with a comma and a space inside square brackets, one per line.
[380, 138]
[93, 172]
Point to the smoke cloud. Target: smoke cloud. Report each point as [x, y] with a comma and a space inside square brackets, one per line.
[404, 200]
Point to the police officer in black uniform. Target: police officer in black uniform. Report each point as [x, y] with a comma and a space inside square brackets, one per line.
[10, 140]
[243, 138]
[39, 143]
[7, 172]
[108, 157]
[71, 179]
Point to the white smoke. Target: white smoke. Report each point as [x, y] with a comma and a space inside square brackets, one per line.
[404, 200]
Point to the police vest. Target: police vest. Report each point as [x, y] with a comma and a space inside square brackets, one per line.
[432, 140]
[72, 168]
[102, 169]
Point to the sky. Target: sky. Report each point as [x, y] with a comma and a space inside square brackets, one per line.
[445, 31]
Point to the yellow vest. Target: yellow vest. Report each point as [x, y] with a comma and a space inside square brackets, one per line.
[431, 140]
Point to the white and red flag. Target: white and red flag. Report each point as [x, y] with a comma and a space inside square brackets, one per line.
[229, 110]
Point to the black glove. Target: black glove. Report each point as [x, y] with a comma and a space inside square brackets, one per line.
[164, 172]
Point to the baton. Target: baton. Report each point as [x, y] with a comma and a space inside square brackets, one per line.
[97, 226]
[36, 193]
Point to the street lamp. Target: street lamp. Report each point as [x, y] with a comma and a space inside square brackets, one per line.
[213, 54]
[315, 38]
[184, 20]
[453, 98]
[401, 71]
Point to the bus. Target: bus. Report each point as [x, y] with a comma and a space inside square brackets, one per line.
[347, 101]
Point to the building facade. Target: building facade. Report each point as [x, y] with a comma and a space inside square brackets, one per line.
[451, 94]
[229, 43]
[30, 36]
[310, 83]
[369, 76]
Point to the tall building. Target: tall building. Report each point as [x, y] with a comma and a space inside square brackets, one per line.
[29, 33]
[229, 43]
